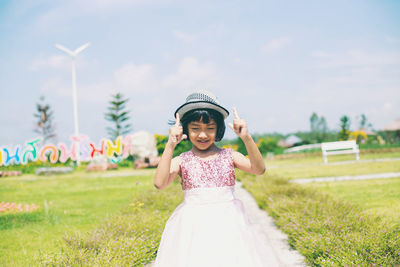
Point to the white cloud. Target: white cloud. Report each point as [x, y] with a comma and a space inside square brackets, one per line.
[185, 37]
[139, 80]
[276, 44]
[96, 92]
[52, 62]
[56, 19]
[388, 106]
[154, 105]
[383, 113]
[236, 60]
[355, 58]
[321, 54]
[192, 75]
[136, 78]
[56, 86]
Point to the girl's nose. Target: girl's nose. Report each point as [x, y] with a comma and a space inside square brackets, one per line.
[202, 134]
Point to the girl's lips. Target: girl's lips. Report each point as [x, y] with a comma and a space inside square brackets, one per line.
[203, 142]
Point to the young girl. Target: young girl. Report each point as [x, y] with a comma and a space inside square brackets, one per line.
[210, 228]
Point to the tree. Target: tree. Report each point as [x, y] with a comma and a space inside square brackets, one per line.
[344, 128]
[314, 122]
[318, 127]
[118, 115]
[363, 122]
[44, 125]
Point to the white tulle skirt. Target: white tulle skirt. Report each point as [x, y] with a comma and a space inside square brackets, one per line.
[209, 229]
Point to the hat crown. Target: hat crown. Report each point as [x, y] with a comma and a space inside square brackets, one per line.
[202, 96]
[201, 100]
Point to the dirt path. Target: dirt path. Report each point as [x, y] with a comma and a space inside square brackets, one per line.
[271, 235]
[385, 175]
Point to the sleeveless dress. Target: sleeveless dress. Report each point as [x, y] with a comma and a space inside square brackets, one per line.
[210, 227]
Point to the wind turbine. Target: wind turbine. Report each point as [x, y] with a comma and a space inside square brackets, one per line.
[73, 55]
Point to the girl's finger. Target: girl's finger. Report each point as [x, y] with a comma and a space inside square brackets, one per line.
[184, 136]
[235, 113]
[231, 126]
[177, 119]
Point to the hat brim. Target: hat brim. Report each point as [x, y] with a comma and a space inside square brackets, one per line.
[200, 105]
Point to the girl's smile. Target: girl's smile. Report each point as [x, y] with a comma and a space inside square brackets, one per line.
[202, 135]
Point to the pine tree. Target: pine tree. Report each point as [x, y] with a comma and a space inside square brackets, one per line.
[44, 125]
[118, 115]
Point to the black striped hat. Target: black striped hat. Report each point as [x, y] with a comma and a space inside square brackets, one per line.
[201, 100]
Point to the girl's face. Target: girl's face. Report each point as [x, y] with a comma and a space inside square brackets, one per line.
[202, 135]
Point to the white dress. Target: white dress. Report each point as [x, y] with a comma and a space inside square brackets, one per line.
[210, 227]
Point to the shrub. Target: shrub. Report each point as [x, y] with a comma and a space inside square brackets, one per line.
[359, 136]
[162, 140]
[31, 166]
[267, 144]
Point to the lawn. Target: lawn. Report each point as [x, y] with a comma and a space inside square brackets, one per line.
[116, 218]
[353, 223]
[311, 165]
[378, 196]
[316, 157]
[68, 203]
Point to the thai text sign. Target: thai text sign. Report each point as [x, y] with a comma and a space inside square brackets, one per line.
[119, 149]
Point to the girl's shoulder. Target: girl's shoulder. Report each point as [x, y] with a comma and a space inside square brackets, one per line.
[227, 150]
[185, 154]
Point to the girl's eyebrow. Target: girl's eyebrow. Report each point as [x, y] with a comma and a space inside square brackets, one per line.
[199, 123]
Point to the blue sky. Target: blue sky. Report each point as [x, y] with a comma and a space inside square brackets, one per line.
[276, 61]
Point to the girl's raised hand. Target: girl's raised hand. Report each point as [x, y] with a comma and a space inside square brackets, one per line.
[176, 132]
[239, 125]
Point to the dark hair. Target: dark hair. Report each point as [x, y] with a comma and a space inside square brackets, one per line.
[204, 115]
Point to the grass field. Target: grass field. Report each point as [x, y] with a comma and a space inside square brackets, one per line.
[377, 197]
[75, 202]
[353, 223]
[116, 218]
[313, 166]
[326, 229]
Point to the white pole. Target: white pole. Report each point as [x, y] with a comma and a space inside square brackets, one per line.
[73, 55]
[75, 106]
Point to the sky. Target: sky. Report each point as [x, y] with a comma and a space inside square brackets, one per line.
[277, 62]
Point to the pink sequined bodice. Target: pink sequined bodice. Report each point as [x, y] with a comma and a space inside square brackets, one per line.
[216, 172]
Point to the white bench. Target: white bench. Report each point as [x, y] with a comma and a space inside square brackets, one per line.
[340, 147]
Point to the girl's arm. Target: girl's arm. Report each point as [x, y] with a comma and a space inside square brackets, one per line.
[169, 168]
[255, 163]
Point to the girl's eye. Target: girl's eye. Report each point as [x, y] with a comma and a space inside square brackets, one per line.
[211, 128]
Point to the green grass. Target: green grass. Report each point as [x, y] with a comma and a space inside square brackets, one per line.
[80, 201]
[129, 238]
[316, 157]
[312, 166]
[118, 221]
[377, 197]
[326, 229]
[352, 223]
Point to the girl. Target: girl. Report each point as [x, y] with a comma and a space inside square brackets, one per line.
[210, 228]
